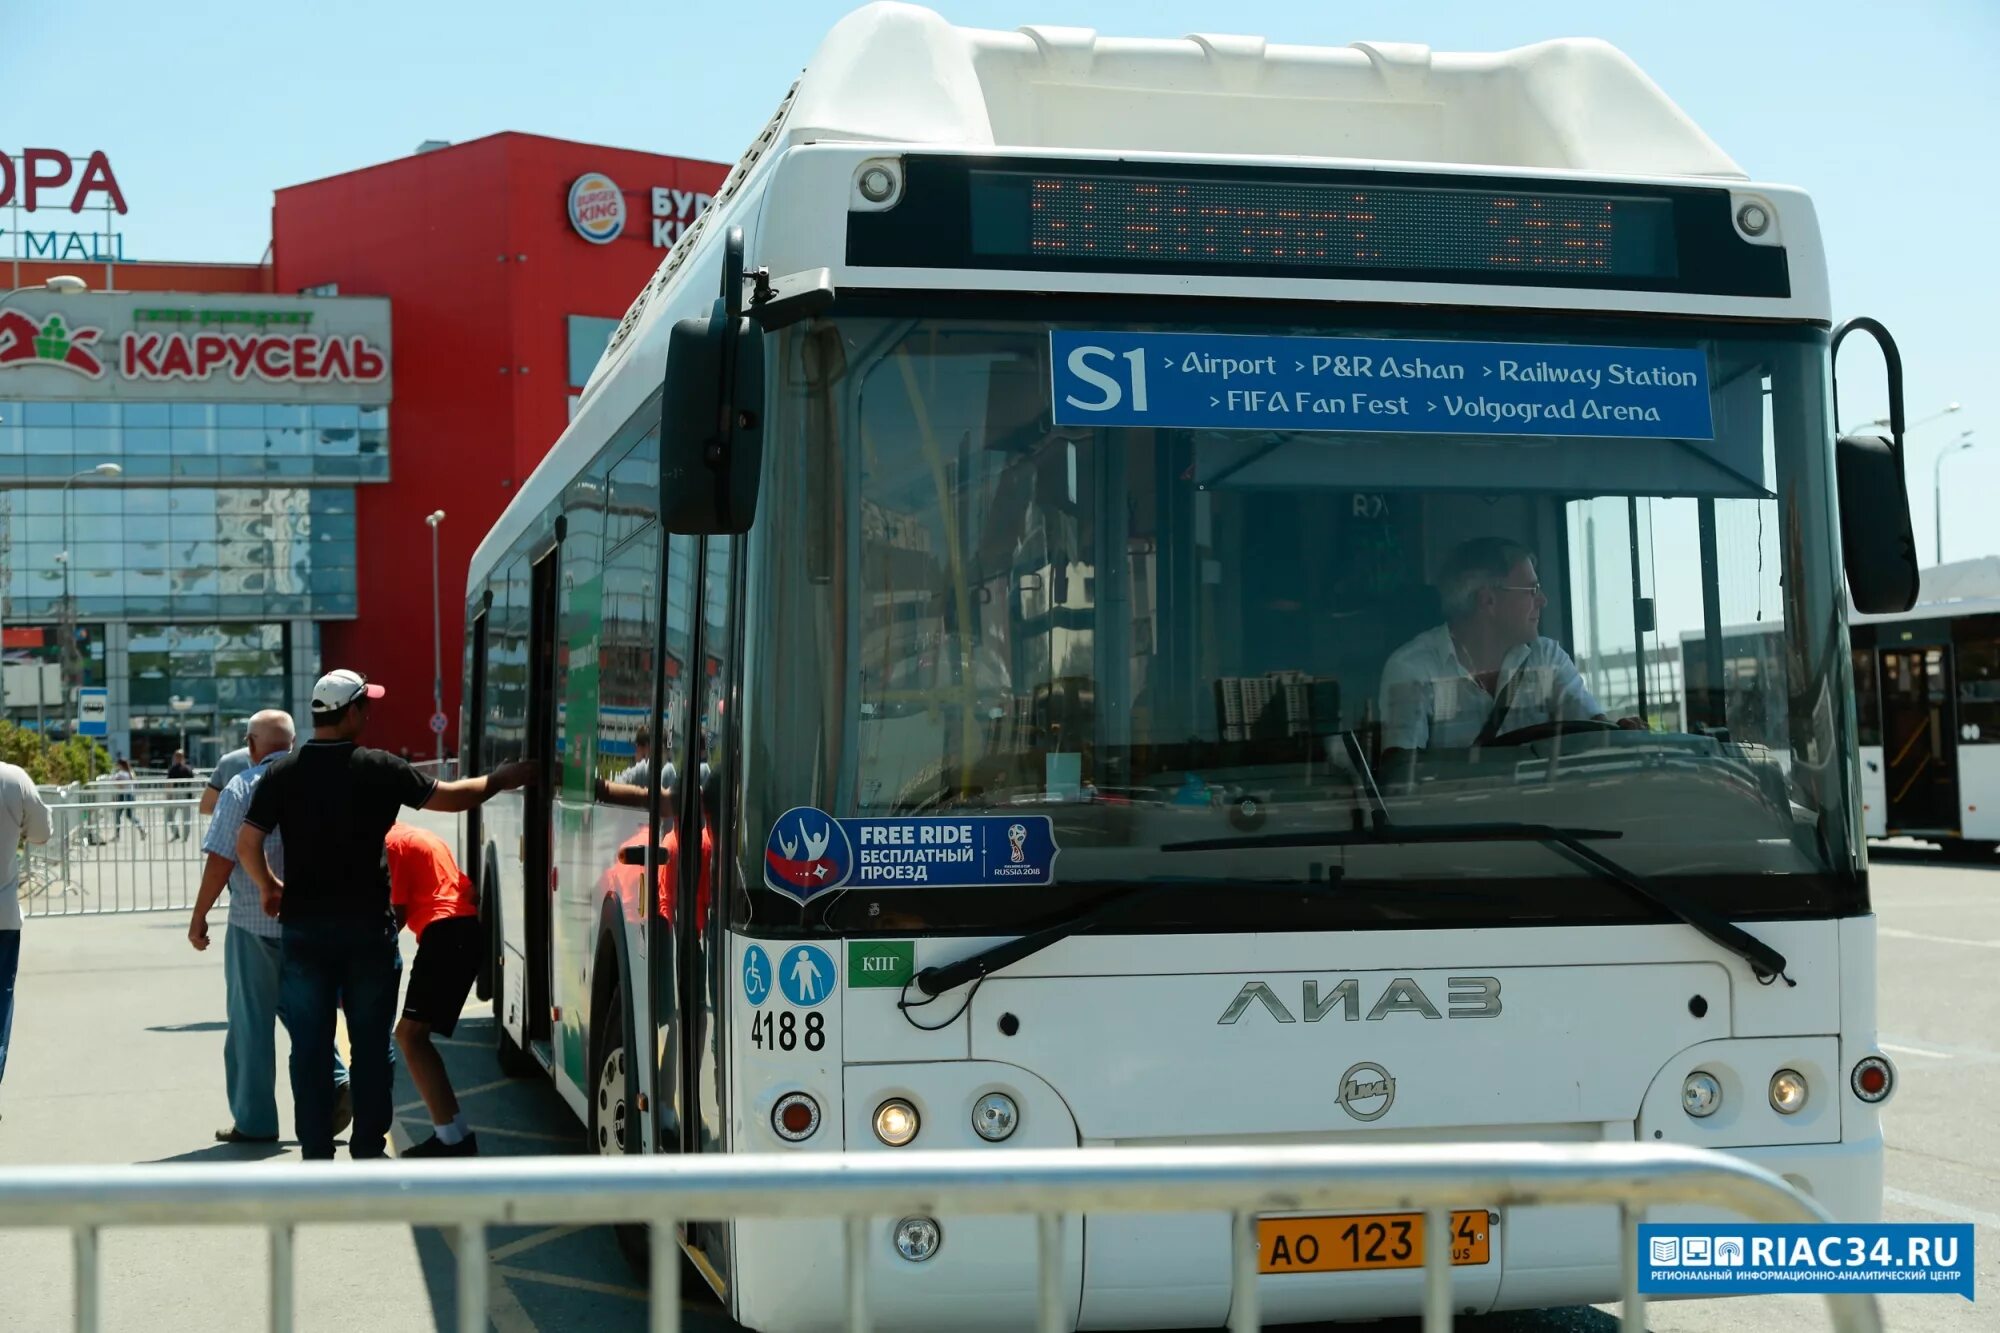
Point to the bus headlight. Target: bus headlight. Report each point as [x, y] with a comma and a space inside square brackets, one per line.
[1788, 1092]
[1701, 1095]
[918, 1238]
[896, 1123]
[994, 1117]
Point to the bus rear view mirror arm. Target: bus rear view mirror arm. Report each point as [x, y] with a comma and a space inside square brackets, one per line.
[1877, 546]
[711, 413]
[778, 302]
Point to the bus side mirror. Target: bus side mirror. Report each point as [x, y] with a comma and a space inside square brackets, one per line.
[711, 414]
[1876, 543]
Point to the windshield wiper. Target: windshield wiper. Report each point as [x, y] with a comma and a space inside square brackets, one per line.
[1767, 963]
[936, 981]
[1571, 843]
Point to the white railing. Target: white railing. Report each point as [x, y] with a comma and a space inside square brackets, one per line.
[107, 853]
[867, 1190]
[132, 847]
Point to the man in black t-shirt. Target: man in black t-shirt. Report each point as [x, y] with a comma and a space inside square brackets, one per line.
[334, 800]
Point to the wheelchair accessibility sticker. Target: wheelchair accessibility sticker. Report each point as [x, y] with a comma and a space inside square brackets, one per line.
[756, 975]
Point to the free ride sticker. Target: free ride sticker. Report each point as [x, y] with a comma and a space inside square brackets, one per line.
[1411, 386]
[810, 852]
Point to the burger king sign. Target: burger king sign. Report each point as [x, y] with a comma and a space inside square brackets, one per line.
[596, 208]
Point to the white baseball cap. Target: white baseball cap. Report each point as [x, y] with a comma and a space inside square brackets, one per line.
[337, 689]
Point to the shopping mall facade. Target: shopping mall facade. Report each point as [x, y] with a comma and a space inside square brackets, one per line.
[220, 475]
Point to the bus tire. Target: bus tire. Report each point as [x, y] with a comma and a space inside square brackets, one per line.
[613, 1129]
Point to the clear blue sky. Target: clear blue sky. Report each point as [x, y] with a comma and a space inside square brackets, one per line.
[1888, 113]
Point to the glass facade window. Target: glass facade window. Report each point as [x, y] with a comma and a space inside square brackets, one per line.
[185, 552]
[301, 444]
[588, 337]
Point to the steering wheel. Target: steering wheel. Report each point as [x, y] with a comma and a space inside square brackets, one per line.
[1542, 731]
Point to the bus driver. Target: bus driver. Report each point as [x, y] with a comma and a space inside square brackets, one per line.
[1487, 670]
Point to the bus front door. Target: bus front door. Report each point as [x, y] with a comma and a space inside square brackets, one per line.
[537, 851]
[1919, 740]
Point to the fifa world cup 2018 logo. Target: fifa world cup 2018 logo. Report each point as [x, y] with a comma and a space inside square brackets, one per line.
[1017, 838]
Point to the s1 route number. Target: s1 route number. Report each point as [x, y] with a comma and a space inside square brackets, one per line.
[1112, 392]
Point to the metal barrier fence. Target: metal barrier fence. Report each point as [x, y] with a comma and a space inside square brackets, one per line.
[870, 1190]
[112, 850]
[130, 846]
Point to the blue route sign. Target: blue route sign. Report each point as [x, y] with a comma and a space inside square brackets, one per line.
[1228, 381]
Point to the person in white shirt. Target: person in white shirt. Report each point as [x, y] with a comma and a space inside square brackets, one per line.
[1487, 670]
[123, 782]
[23, 817]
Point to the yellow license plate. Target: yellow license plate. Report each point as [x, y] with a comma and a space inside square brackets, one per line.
[1365, 1242]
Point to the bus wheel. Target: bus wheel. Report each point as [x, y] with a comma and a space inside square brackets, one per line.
[614, 1126]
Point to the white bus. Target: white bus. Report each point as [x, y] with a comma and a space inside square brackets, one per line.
[1003, 569]
[1927, 695]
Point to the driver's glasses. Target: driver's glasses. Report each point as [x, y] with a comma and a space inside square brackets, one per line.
[1534, 590]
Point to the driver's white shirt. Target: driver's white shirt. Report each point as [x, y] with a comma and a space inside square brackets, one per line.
[1430, 701]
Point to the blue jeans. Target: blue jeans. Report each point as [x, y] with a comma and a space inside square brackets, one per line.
[353, 966]
[10, 963]
[251, 965]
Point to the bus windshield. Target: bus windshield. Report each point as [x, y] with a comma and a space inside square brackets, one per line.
[1179, 644]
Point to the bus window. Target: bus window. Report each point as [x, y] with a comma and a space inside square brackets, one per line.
[1867, 698]
[506, 726]
[1124, 626]
[1977, 639]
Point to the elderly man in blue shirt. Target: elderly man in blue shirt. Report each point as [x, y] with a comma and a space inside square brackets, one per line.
[250, 951]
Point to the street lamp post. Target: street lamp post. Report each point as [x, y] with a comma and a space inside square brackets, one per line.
[72, 674]
[182, 707]
[62, 284]
[437, 640]
[1884, 423]
[1959, 445]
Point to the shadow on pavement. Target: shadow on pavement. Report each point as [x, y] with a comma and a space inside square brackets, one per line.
[214, 1025]
[544, 1278]
[230, 1152]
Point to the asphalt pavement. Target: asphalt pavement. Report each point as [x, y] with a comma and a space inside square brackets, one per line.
[117, 1057]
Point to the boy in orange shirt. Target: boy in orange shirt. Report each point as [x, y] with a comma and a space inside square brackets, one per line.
[436, 900]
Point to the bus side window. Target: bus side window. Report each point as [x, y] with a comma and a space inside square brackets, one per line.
[1978, 662]
[1867, 698]
[506, 692]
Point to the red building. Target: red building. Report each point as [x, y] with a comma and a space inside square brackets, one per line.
[507, 261]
